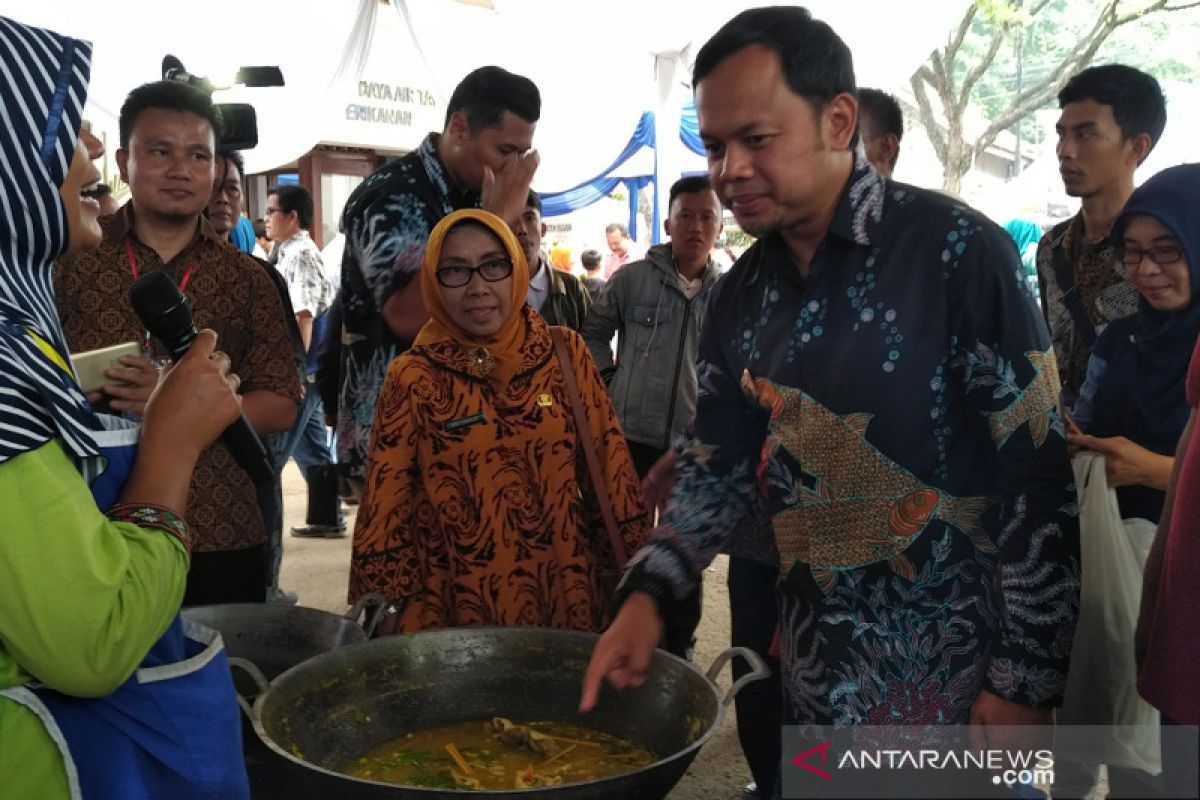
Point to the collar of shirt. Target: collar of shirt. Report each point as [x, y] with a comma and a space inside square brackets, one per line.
[692, 287]
[859, 211]
[120, 225]
[539, 286]
[540, 280]
[1075, 243]
[298, 240]
[435, 168]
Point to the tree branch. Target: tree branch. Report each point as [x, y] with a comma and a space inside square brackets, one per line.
[973, 75]
[933, 129]
[961, 33]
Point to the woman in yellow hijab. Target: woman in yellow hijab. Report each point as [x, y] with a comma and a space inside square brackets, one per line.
[479, 507]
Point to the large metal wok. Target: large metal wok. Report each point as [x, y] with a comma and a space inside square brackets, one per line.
[325, 712]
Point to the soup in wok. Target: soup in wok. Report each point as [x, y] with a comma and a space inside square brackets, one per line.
[499, 754]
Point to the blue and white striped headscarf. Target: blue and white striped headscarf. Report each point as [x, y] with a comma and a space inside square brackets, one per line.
[43, 85]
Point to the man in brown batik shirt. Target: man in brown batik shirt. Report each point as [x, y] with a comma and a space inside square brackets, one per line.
[168, 133]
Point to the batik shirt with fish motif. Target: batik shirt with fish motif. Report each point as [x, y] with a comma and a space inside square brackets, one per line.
[387, 221]
[894, 414]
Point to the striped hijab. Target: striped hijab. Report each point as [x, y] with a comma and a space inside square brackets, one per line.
[43, 86]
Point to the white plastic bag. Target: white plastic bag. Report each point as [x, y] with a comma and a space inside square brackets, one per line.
[1102, 682]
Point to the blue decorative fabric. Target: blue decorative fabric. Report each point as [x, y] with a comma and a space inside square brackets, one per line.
[557, 203]
[689, 128]
[588, 192]
[584, 194]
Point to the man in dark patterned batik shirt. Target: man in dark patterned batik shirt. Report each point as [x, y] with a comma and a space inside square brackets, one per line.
[875, 378]
[481, 158]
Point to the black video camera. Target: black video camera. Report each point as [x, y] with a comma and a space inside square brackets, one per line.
[239, 129]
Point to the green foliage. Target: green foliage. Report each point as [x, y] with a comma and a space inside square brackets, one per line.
[736, 237]
[1162, 44]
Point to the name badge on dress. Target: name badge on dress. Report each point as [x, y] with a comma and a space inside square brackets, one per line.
[464, 422]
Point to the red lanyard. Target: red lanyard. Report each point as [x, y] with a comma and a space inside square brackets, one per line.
[133, 270]
[133, 267]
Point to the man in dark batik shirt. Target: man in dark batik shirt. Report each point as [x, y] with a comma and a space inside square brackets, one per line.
[482, 158]
[874, 376]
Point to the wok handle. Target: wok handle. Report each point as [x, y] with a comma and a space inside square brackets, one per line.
[369, 599]
[250, 668]
[758, 670]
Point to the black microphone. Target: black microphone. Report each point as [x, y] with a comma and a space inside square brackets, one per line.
[163, 310]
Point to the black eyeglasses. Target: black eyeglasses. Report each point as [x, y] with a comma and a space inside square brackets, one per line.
[495, 270]
[1160, 254]
[271, 211]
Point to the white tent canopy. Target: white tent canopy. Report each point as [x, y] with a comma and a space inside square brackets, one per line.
[598, 65]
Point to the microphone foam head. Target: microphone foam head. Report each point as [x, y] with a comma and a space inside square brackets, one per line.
[160, 306]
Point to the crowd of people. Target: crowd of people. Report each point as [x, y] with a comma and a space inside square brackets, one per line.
[873, 411]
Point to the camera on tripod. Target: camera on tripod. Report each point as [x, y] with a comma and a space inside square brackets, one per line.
[239, 128]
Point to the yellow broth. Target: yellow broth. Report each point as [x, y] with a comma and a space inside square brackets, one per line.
[560, 753]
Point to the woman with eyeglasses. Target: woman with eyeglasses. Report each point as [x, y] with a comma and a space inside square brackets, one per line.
[479, 507]
[1132, 407]
[1135, 403]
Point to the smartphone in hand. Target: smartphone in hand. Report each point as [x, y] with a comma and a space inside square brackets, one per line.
[90, 365]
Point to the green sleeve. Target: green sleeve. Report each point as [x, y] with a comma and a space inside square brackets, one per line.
[82, 598]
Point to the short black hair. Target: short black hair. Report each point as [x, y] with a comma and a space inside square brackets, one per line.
[171, 96]
[883, 110]
[534, 201]
[294, 197]
[816, 63]
[1136, 99]
[590, 259]
[236, 157]
[689, 184]
[486, 93]
[101, 190]
[260, 229]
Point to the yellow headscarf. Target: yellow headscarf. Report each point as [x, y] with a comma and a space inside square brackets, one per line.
[504, 347]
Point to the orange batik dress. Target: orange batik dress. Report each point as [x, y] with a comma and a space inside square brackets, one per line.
[479, 509]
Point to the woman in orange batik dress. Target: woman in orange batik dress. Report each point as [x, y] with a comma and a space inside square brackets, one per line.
[479, 508]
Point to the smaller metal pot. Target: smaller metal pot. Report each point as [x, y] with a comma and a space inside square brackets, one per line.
[273, 638]
[276, 637]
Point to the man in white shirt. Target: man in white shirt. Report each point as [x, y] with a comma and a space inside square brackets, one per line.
[288, 218]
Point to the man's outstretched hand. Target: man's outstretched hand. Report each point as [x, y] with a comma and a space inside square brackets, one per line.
[623, 653]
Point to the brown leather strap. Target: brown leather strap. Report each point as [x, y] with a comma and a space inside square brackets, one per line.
[584, 437]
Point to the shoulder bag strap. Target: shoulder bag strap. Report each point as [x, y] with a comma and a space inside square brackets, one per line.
[584, 437]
